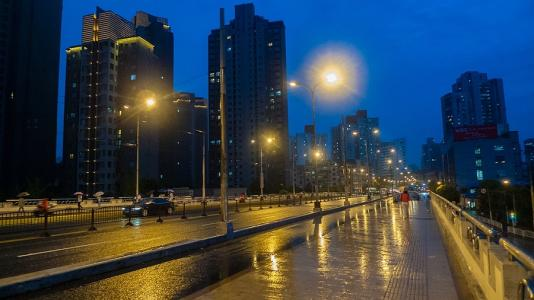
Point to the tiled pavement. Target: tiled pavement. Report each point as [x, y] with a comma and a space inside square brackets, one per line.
[379, 255]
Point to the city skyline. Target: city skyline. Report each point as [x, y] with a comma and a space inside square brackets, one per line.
[385, 69]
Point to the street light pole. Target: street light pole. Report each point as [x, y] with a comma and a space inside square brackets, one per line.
[531, 191]
[346, 178]
[137, 140]
[293, 167]
[317, 204]
[261, 171]
[224, 162]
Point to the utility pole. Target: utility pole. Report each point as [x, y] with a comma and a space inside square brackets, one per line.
[345, 172]
[531, 191]
[224, 157]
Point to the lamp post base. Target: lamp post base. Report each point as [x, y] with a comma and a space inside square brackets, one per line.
[317, 205]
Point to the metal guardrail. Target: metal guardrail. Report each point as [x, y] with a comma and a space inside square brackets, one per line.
[525, 288]
[57, 217]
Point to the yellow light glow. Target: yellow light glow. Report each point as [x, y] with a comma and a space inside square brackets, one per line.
[340, 71]
[150, 102]
[293, 84]
[136, 39]
[331, 78]
[506, 182]
[318, 153]
[355, 133]
[376, 131]
[270, 140]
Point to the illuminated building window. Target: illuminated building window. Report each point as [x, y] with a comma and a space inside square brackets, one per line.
[498, 148]
[478, 162]
[480, 175]
[133, 77]
[477, 151]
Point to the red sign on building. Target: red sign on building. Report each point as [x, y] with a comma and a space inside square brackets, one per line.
[475, 132]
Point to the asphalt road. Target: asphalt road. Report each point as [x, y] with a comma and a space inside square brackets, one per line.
[24, 254]
[182, 276]
[59, 217]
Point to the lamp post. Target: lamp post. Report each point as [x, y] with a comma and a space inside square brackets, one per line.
[390, 162]
[531, 190]
[203, 164]
[149, 103]
[344, 153]
[269, 140]
[331, 79]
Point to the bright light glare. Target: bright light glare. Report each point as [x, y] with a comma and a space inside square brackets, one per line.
[150, 102]
[270, 140]
[339, 71]
[331, 77]
[293, 84]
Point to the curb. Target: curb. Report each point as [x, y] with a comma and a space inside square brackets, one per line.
[24, 283]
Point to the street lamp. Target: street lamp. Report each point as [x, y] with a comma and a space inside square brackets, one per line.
[148, 104]
[330, 78]
[269, 140]
[203, 167]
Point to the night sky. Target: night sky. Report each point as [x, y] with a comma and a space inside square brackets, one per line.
[410, 53]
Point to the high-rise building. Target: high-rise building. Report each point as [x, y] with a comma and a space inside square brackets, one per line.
[357, 141]
[303, 146]
[478, 144]
[432, 159]
[529, 151]
[29, 61]
[474, 100]
[109, 77]
[157, 31]
[256, 99]
[183, 124]
[391, 151]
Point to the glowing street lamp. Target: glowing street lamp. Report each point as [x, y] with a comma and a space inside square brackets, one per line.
[269, 140]
[330, 78]
[149, 103]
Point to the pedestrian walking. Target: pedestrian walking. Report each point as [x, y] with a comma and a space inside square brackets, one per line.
[405, 204]
[21, 204]
[79, 198]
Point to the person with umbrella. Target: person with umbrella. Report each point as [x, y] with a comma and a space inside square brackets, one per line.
[98, 196]
[79, 197]
[22, 201]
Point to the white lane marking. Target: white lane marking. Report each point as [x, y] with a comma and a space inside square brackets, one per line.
[209, 224]
[56, 250]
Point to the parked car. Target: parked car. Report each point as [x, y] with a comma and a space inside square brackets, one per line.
[149, 207]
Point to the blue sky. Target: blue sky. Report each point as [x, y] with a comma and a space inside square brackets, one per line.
[412, 52]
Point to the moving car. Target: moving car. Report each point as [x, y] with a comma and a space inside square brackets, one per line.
[149, 207]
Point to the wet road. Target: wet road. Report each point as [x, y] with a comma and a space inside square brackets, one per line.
[368, 253]
[34, 253]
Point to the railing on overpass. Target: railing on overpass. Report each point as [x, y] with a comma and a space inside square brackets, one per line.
[33, 219]
[502, 269]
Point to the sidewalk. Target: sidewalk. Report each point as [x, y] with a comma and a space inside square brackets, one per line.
[379, 256]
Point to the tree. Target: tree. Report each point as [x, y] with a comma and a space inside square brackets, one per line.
[448, 192]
